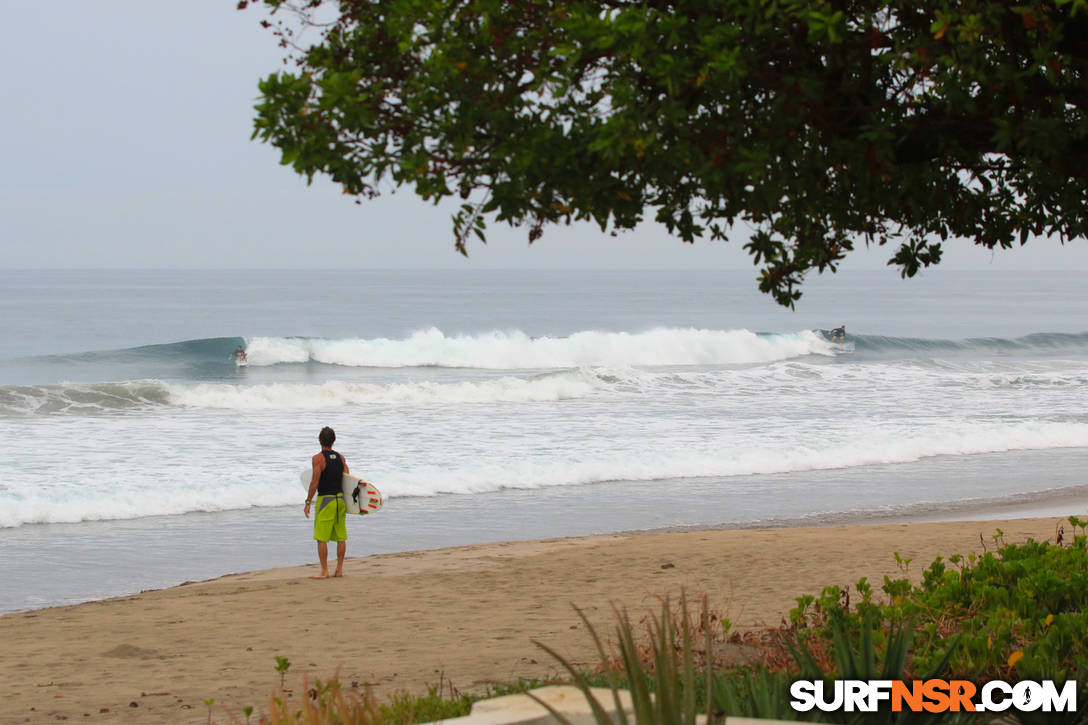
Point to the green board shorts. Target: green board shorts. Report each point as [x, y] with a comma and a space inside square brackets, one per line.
[330, 518]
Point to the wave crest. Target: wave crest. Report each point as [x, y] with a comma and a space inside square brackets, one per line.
[106, 398]
[515, 350]
[82, 398]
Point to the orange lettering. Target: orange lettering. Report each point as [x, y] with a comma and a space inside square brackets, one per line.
[912, 696]
[961, 693]
[936, 691]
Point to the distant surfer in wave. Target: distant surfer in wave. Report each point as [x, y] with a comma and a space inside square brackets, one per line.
[330, 518]
[838, 334]
[240, 354]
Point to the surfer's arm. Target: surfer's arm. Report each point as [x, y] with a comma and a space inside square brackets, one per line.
[345, 462]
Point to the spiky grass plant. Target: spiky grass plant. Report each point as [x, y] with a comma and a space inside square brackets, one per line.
[665, 677]
[662, 685]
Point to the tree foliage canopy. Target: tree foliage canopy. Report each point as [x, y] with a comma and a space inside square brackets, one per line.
[815, 124]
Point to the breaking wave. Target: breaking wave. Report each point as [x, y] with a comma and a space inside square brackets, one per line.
[517, 351]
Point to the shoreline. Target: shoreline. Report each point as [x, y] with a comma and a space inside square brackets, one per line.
[403, 621]
[95, 560]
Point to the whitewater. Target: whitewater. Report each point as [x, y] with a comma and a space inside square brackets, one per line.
[585, 408]
[688, 405]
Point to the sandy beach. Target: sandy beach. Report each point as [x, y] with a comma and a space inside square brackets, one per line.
[465, 615]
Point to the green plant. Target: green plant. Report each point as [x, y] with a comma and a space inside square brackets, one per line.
[1016, 613]
[758, 693]
[282, 665]
[861, 654]
[663, 691]
[810, 127]
[403, 708]
[670, 682]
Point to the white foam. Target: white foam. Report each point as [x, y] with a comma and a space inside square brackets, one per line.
[224, 445]
[785, 455]
[73, 398]
[335, 394]
[515, 350]
[45, 506]
[408, 459]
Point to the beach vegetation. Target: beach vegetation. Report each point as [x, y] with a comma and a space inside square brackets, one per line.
[325, 703]
[329, 702]
[404, 708]
[1017, 613]
[282, 665]
[662, 676]
[676, 678]
[807, 127]
[444, 701]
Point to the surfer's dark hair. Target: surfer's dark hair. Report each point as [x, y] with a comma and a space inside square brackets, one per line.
[326, 436]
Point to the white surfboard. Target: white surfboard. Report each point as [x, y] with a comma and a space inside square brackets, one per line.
[361, 497]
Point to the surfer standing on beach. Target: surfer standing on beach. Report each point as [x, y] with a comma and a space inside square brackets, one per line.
[330, 518]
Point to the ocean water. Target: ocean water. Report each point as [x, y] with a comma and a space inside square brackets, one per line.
[494, 405]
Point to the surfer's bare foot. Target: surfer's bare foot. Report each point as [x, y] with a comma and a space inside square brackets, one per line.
[338, 573]
[322, 575]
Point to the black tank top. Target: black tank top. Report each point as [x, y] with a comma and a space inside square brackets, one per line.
[329, 483]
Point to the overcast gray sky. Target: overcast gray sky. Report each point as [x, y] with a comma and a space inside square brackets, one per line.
[124, 142]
